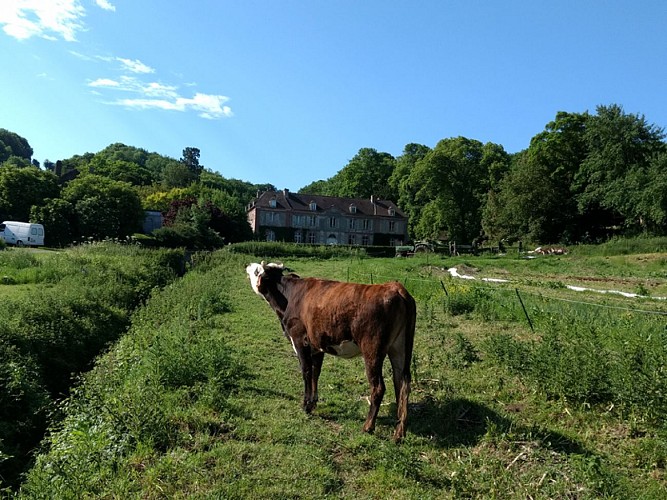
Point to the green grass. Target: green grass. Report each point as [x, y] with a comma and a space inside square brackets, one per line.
[201, 399]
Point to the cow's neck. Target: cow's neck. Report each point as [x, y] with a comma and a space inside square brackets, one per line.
[277, 296]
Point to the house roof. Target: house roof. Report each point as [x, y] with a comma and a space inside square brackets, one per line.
[287, 200]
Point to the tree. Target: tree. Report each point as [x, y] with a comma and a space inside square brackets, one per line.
[12, 144]
[366, 175]
[400, 182]
[104, 207]
[621, 147]
[534, 200]
[17, 161]
[177, 174]
[191, 161]
[57, 216]
[320, 187]
[122, 163]
[23, 187]
[451, 183]
[651, 184]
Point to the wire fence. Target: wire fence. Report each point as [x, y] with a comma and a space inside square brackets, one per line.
[505, 287]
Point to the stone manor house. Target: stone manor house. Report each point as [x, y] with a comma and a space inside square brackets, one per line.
[326, 220]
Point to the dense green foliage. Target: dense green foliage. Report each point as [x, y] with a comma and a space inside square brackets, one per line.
[583, 179]
[60, 310]
[104, 195]
[200, 398]
[12, 144]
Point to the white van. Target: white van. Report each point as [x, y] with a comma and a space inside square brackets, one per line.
[22, 233]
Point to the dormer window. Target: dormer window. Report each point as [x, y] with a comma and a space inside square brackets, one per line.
[272, 203]
[353, 209]
[392, 212]
[313, 206]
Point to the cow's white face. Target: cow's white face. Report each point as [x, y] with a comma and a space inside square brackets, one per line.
[255, 272]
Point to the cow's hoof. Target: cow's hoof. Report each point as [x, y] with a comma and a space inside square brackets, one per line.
[309, 407]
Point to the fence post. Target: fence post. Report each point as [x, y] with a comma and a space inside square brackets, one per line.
[530, 323]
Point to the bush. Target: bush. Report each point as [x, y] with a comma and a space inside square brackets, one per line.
[55, 331]
[270, 250]
[165, 381]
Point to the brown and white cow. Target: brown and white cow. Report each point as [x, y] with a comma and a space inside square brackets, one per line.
[344, 319]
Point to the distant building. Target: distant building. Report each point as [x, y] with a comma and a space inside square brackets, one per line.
[152, 221]
[326, 220]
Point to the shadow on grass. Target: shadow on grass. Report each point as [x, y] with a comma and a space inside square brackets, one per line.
[462, 422]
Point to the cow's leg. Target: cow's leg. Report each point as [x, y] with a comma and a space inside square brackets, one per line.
[306, 362]
[374, 374]
[401, 375]
[317, 358]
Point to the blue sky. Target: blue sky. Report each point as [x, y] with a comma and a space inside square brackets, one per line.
[287, 92]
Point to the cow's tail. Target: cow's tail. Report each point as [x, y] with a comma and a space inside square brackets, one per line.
[406, 378]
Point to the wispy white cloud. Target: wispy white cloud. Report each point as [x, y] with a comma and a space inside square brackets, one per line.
[81, 56]
[135, 66]
[208, 106]
[106, 5]
[104, 82]
[52, 19]
[155, 95]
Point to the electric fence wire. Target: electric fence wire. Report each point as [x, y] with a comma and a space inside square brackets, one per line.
[472, 284]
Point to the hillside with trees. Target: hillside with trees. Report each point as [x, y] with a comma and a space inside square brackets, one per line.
[583, 179]
[105, 194]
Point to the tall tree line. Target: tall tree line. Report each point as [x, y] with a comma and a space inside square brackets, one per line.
[584, 178]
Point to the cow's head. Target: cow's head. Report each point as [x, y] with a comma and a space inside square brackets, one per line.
[259, 273]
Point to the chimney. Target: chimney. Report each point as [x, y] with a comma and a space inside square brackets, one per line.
[286, 191]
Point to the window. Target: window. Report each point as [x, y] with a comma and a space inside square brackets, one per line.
[392, 226]
[313, 206]
[352, 224]
[297, 237]
[353, 209]
[311, 238]
[312, 221]
[270, 235]
[351, 240]
[392, 212]
[367, 224]
[332, 222]
[365, 240]
[272, 203]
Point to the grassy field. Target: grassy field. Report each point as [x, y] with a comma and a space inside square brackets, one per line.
[524, 389]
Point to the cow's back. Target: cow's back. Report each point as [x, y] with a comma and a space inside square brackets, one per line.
[333, 312]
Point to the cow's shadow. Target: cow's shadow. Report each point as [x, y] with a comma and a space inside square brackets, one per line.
[462, 422]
